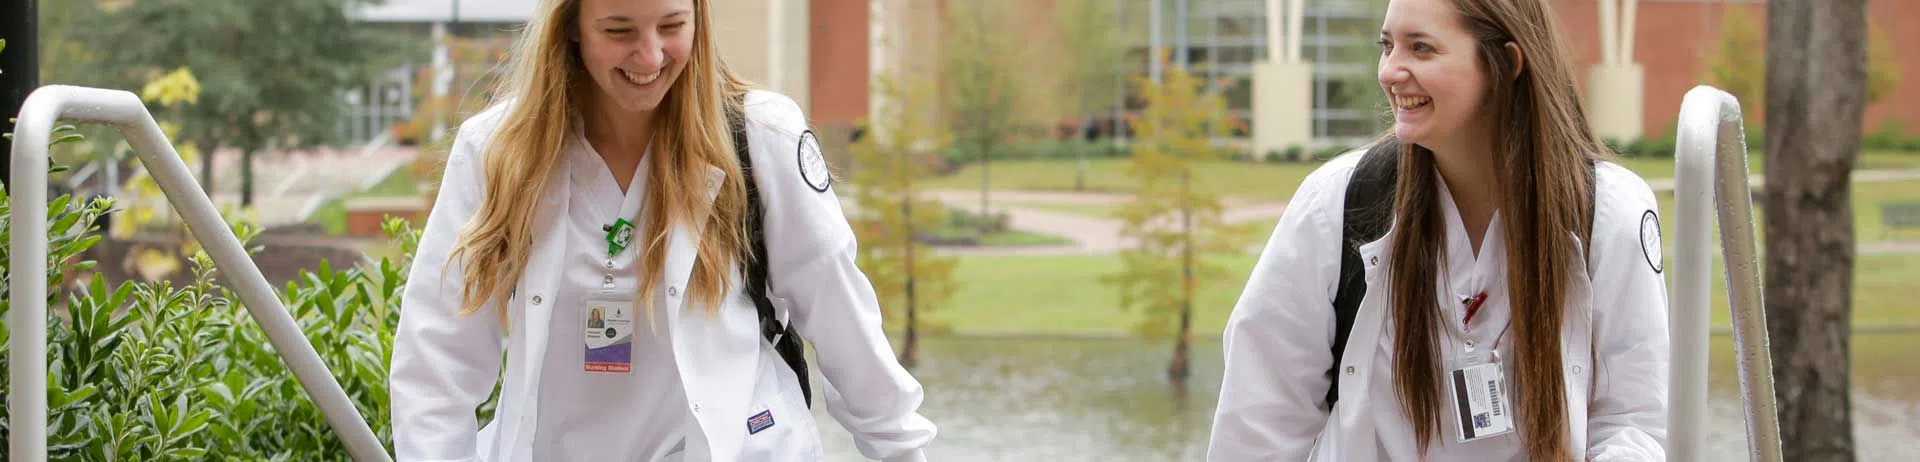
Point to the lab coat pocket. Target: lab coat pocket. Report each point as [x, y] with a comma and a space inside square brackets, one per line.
[778, 426]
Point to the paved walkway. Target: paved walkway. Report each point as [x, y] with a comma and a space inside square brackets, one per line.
[288, 186]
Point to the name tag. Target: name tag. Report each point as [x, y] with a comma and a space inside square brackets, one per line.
[609, 332]
[1480, 401]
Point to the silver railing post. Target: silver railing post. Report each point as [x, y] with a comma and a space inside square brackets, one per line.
[1711, 173]
[27, 400]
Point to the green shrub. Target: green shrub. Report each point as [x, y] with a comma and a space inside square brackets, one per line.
[143, 371]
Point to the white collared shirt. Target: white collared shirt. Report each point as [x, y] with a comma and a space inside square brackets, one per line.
[606, 416]
[1463, 276]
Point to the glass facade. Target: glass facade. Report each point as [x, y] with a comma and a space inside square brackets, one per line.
[1225, 38]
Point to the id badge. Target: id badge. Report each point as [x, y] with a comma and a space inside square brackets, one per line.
[609, 332]
[1479, 391]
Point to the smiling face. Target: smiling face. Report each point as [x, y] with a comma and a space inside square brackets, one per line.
[634, 49]
[1430, 70]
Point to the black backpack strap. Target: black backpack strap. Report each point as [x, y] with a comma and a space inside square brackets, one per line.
[1593, 191]
[1366, 215]
[781, 335]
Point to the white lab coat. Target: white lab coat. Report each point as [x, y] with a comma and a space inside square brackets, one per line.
[445, 364]
[1278, 340]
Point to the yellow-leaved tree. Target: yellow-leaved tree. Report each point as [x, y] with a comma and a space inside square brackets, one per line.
[890, 162]
[1173, 227]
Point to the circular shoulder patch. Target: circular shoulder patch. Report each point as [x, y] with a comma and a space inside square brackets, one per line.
[813, 165]
[1650, 240]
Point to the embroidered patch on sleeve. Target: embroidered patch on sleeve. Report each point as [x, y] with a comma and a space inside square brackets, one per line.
[1650, 240]
[813, 164]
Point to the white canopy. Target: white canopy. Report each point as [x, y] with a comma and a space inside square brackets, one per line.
[480, 11]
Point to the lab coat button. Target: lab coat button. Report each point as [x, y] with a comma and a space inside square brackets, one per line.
[696, 408]
[1576, 370]
[673, 291]
[536, 299]
[1349, 370]
[1373, 261]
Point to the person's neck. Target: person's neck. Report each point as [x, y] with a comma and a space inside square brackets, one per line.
[1466, 165]
[620, 136]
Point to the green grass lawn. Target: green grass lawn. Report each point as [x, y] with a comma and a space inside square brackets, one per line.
[1018, 238]
[1255, 181]
[1868, 225]
[1871, 160]
[1063, 295]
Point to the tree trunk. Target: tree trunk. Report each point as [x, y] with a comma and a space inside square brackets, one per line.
[1816, 99]
[1179, 370]
[909, 352]
[206, 148]
[986, 159]
[246, 177]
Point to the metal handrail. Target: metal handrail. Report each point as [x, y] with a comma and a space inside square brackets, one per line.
[27, 401]
[1711, 149]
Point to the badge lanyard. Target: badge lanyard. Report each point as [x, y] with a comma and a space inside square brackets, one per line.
[1478, 384]
[609, 327]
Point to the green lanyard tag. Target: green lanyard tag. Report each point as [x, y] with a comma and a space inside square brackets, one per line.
[619, 236]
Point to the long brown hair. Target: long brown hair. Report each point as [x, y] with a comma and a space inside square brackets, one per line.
[547, 82]
[1543, 143]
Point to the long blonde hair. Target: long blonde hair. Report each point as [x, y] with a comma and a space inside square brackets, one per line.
[547, 81]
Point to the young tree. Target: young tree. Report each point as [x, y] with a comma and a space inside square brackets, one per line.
[1174, 226]
[1816, 102]
[1737, 65]
[1092, 48]
[981, 60]
[889, 163]
[272, 72]
[1739, 62]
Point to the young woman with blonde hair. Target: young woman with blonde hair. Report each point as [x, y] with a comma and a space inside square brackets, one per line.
[607, 178]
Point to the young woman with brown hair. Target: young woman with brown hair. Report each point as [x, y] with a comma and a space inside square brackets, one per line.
[1505, 294]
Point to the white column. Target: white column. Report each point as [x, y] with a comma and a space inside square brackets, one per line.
[1296, 23]
[776, 45]
[442, 79]
[1616, 86]
[1154, 45]
[1282, 84]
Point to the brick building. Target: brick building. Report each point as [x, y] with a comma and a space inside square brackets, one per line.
[1674, 39]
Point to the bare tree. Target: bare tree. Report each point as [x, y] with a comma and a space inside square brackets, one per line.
[1816, 102]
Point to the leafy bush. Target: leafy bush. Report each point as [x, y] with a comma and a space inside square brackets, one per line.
[1040, 149]
[153, 372]
[963, 219]
[1656, 148]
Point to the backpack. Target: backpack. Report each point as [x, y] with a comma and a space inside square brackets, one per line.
[785, 341]
[1365, 218]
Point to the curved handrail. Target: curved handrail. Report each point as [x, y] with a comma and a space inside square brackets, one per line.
[27, 400]
[1711, 149]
